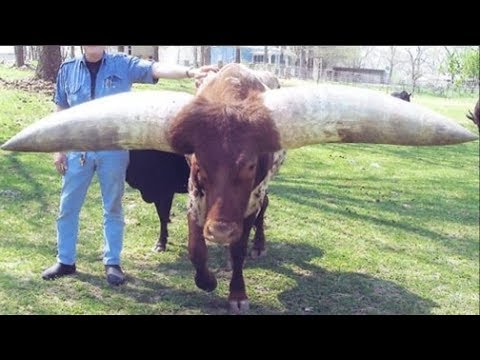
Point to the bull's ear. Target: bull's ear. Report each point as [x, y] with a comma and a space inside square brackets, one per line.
[267, 141]
[181, 133]
[181, 140]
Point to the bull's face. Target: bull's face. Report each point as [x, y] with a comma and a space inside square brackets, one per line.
[226, 143]
[227, 183]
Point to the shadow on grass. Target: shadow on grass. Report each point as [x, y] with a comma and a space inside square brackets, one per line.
[319, 197]
[315, 290]
[451, 156]
[37, 190]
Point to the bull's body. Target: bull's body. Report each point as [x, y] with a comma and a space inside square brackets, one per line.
[235, 151]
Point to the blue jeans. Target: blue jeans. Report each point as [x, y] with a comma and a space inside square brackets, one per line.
[111, 168]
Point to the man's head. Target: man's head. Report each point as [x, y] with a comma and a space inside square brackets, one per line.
[93, 53]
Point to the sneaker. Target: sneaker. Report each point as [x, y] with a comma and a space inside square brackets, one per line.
[58, 270]
[115, 275]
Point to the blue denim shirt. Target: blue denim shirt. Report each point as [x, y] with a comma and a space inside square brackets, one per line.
[117, 73]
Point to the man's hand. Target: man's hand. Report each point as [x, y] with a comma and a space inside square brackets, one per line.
[203, 74]
[203, 71]
[60, 161]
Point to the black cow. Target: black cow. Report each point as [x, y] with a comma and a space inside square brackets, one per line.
[158, 176]
[402, 95]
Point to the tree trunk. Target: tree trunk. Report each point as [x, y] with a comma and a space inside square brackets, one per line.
[121, 48]
[19, 57]
[238, 54]
[155, 53]
[32, 53]
[302, 64]
[265, 55]
[72, 51]
[48, 63]
[206, 55]
[195, 56]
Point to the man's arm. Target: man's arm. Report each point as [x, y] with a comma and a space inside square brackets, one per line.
[167, 71]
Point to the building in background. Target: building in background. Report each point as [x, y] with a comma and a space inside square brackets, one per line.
[252, 55]
[357, 75]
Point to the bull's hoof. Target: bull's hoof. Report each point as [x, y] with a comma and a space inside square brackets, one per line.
[207, 283]
[238, 307]
[160, 248]
[258, 253]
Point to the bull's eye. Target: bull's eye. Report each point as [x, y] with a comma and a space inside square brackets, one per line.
[251, 167]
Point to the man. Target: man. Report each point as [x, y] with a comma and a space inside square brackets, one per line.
[94, 75]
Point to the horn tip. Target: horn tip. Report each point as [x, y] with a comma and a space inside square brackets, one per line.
[470, 137]
[16, 144]
[8, 146]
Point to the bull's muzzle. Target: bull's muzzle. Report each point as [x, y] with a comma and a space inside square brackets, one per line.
[223, 233]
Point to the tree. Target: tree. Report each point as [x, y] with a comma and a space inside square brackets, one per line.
[32, 52]
[452, 65]
[121, 48]
[19, 56]
[416, 59]
[392, 61]
[265, 54]
[205, 55]
[48, 62]
[471, 63]
[155, 53]
[328, 56]
[195, 56]
[361, 55]
[72, 51]
[471, 67]
[238, 54]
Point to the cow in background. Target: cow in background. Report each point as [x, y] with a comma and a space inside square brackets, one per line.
[402, 95]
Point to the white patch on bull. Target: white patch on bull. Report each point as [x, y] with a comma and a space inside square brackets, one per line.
[197, 201]
[258, 194]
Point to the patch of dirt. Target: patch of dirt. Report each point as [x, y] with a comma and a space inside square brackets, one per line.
[30, 85]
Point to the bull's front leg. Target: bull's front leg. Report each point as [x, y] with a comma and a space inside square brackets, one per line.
[258, 249]
[238, 299]
[198, 253]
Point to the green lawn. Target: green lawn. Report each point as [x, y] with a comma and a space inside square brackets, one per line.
[351, 229]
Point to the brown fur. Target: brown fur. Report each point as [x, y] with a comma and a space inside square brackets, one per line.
[233, 138]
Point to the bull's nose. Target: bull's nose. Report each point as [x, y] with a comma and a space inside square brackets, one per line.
[221, 232]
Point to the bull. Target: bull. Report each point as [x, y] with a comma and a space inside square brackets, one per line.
[235, 131]
[159, 175]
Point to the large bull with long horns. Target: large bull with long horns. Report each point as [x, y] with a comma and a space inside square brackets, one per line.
[235, 131]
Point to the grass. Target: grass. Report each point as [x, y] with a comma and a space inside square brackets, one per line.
[8, 73]
[351, 229]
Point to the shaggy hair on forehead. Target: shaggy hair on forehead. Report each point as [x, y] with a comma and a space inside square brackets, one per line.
[235, 126]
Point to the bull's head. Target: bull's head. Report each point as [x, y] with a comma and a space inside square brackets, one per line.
[231, 121]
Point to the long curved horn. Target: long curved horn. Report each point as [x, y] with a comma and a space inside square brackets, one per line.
[306, 115]
[133, 120]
